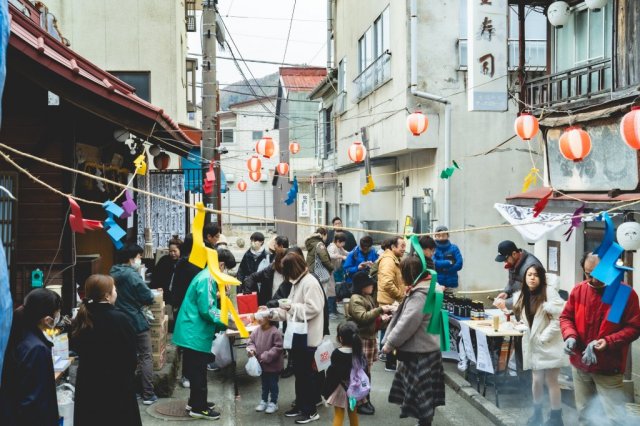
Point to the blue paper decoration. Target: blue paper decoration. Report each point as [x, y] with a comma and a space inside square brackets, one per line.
[293, 192]
[115, 232]
[6, 306]
[608, 272]
[113, 208]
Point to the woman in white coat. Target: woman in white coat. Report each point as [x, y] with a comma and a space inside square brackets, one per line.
[538, 308]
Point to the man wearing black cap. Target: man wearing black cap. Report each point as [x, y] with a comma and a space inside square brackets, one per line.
[517, 261]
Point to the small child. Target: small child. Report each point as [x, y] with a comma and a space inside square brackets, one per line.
[265, 343]
[343, 359]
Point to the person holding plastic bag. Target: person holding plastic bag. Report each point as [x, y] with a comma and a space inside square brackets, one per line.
[304, 313]
[28, 392]
[196, 326]
[106, 342]
[265, 346]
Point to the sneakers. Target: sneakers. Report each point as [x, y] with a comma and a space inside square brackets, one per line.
[185, 383]
[210, 405]
[272, 407]
[205, 414]
[149, 401]
[390, 368]
[286, 373]
[334, 317]
[294, 412]
[308, 419]
[213, 367]
[382, 357]
[261, 407]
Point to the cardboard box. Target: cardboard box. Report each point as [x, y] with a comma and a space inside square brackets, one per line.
[157, 308]
[158, 344]
[158, 360]
[157, 296]
[160, 329]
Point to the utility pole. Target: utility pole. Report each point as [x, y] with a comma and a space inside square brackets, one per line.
[209, 100]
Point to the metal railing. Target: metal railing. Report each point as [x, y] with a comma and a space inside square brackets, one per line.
[374, 76]
[340, 104]
[535, 54]
[579, 84]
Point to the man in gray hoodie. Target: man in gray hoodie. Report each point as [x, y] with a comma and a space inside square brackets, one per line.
[517, 261]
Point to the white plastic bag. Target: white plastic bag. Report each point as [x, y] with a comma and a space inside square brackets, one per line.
[65, 394]
[323, 354]
[221, 348]
[295, 327]
[253, 367]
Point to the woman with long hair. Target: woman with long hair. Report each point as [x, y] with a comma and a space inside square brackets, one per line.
[28, 392]
[538, 307]
[267, 281]
[105, 340]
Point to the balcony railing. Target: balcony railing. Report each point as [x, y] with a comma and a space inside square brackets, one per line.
[572, 86]
[340, 104]
[535, 52]
[374, 76]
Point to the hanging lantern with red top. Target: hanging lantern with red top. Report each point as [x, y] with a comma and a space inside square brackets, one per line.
[575, 144]
[630, 128]
[254, 164]
[526, 126]
[255, 176]
[282, 169]
[417, 123]
[162, 161]
[357, 152]
[265, 147]
[242, 185]
[294, 147]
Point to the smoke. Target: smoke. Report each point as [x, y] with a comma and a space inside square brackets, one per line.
[609, 403]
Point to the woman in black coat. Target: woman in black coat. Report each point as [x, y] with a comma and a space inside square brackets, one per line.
[106, 343]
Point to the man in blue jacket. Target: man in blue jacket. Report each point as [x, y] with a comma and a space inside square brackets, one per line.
[360, 258]
[447, 258]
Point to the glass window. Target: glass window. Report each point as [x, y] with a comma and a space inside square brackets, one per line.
[342, 75]
[365, 49]
[257, 135]
[141, 80]
[227, 136]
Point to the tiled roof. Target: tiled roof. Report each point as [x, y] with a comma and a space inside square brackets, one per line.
[301, 79]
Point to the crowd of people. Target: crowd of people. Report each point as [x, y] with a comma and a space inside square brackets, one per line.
[382, 294]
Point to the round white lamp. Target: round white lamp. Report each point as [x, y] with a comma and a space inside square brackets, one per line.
[628, 235]
[558, 13]
[596, 5]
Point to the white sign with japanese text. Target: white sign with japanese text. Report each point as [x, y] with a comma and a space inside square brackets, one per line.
[484, 362]
[487, 55]
[466, 339]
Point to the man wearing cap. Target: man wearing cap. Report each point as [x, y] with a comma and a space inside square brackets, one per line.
[447, 258]
[517, 261]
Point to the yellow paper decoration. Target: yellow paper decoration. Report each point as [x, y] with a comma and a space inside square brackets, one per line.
[370, 186]
[531, 178]
[198, 254]
[141, 165]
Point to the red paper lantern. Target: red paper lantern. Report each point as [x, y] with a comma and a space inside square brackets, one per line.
[630, 128]
[265, 147]
[255, 176]
[417, 123]
[294, 147]
[282, 168]
[575, 144]
[254, 164]
[357, 152]
[242, 186]
[526, 126]
[162, 161]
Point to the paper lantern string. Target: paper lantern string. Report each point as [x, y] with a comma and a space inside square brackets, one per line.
[439, 322]
[128, 205]
[608, 272]
[115, 232]
[77, 223]
[446, 173]
[201, 256]
[210, 178]
[141, 165]
[531, 178]
[541, 204]
[293, 192]
[576, 220]
[369, 186]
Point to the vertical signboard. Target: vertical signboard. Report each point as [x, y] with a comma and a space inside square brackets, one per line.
[487, 55]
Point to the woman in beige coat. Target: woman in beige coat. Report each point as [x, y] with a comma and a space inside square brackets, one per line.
[539, 307]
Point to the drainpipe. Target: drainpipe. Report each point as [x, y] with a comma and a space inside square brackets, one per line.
[329, 33]
[435, 98]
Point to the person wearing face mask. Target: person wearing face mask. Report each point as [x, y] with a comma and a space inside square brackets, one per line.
[516, 261]
[133, 295]
[28, 391]
[253, 257]
[164, 269]
[106, 342]
[447, 259]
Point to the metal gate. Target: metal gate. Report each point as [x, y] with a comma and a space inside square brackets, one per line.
[8, 216]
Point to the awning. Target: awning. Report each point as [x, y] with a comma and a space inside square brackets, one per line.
[49, 63]
[573, 200]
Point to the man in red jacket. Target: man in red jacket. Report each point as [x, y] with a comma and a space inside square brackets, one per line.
[598, 348]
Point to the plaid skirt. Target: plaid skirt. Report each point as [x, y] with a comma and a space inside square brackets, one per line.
[418, 386]
[370, 352]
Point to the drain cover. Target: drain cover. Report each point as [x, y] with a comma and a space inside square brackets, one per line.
[173, 408]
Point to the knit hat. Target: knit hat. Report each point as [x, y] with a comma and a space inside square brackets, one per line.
[361, 279]
[442, 228]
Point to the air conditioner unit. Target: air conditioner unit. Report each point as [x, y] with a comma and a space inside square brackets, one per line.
[230, 177]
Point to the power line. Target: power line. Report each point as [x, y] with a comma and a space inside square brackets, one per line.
[286, 46]
[274, 18]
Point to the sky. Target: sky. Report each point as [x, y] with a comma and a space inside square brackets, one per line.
[259, 28]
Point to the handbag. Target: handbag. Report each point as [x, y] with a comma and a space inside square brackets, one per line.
[296, 333]
[247, 303]
[323, 354]
[319, 269]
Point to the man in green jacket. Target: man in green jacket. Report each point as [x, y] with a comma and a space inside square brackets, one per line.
[196, 326]
[133, 294]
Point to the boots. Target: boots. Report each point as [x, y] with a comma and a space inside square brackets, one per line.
[555, 418]
[536, 417]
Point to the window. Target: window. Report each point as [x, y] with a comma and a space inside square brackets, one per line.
[227, 136]
[257, 135]
[365, 51]
[191, 67]
[328, 131]
[141, 80]
[340, 103]
[374, 57]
